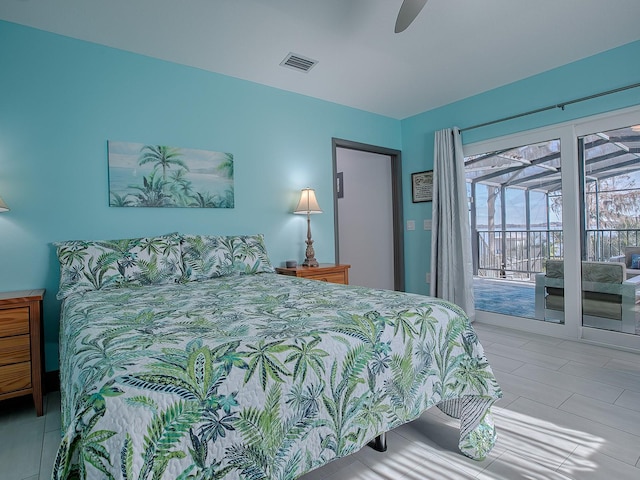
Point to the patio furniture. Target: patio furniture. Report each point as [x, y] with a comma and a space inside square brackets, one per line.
[627, 258]
[608, 300]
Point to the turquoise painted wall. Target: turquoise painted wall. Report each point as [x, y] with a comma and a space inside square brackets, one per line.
[609, 70]
[62, 99]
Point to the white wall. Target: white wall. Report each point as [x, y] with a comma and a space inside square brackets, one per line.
[365, 218]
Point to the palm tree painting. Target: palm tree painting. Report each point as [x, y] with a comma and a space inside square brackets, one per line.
[162, 176]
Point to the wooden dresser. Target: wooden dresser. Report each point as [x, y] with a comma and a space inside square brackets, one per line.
[326, 272]
[21, 345]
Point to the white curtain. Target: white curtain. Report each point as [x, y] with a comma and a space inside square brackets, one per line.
[451, 262]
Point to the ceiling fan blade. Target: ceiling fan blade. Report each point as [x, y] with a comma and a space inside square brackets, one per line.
[409, 10]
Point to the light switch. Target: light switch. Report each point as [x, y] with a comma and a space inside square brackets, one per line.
[411, 224]
[427, 224]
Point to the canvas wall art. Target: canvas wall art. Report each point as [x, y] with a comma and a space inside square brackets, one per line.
[162, 176]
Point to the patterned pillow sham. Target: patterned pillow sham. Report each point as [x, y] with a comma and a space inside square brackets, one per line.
[247, 254]
[203, 257]
[96, 265]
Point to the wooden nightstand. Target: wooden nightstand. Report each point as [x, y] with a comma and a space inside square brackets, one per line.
[21, 345]
[326, 272]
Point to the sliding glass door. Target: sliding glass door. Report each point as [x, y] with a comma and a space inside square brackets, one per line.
[516, 223]
[555, 216]
[610, 167]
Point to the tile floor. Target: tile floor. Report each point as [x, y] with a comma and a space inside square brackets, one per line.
[570, 411]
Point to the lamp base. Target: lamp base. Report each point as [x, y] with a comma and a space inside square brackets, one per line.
[310, 262]
[310, 253]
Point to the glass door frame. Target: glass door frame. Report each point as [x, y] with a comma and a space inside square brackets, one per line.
[572, 215]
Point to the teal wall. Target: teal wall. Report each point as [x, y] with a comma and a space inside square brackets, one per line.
[62, 99]
[612, 69]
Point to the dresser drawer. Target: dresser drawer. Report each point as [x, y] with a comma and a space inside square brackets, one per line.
[325, 272]
[14, 321]
[328, 277]
[15, 377]
[15, 349]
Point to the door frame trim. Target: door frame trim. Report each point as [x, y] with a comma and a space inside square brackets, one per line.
[397, 199]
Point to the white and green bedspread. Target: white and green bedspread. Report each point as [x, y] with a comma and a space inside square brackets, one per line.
[257, 376]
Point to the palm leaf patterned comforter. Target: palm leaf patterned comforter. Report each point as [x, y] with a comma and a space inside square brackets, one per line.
[257, 376]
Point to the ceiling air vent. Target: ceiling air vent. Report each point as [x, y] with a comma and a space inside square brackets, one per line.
[298, 62]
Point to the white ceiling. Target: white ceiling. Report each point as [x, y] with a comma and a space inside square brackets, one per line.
[454, 49]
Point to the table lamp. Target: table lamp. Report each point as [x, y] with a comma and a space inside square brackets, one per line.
[308, 205]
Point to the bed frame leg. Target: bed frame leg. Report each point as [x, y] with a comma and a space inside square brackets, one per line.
[379, 443]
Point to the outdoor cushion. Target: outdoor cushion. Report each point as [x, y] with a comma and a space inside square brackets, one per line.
[595, 303]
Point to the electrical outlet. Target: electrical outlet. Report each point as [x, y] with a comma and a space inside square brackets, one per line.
[411, 224]
[427, 224]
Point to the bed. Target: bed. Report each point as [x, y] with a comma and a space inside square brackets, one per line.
[187, 357]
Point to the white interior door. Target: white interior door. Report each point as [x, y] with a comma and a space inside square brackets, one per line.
[365, 217]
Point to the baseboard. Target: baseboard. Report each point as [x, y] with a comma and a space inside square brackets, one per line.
[52, 381]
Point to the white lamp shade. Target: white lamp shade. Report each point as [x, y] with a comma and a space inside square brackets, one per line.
[3, 206]
[308, 203]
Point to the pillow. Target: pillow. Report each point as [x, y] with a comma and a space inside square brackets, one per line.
[102, 264]
[203, 257]
[635, 261]
[246, 254]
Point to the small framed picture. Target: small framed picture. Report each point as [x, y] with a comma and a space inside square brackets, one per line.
[422, 186]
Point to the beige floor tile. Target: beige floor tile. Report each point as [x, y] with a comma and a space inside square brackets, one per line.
[585, 464]
[503, 364]
[53, 402]
[402, 456]
[598, 390]
[603, 375]
[536, 358]
[511, 466]
[437, 470]
[590, 349]
[355, 471]
[533, 438]
[18, 410]
[507, 398]
[614, 416]
[531, 389]
[625, 366]
[21, 449]
[548, 423]
[52, 421]
[50, 445]
[532, 337]
[567, 354]
[630, 400]
[497, 338]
